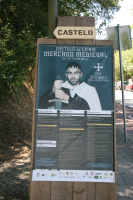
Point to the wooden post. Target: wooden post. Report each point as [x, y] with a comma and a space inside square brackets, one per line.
[72, 190]
[52, 16]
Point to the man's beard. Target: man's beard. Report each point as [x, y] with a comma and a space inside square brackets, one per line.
[74, 83]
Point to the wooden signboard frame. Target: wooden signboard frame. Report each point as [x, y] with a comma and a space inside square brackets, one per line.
[49, 190]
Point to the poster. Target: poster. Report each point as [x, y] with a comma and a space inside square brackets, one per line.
[74, 130]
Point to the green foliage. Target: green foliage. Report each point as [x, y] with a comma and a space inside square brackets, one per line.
[19, 30]
[101, 10]
[125, 40]
[127, 63]
[23, 21]
[16, 55]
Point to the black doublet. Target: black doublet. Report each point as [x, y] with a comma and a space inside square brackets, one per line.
[75, 103]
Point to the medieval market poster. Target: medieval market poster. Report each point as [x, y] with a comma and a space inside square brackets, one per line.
[74, 130]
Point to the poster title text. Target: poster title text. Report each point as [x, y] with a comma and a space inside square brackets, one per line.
[75, 52]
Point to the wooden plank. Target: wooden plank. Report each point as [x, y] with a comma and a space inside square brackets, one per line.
[46, 41]
[99, 191]
[75, 21]
[114, 116]
[68, 190]
[61, 190]
[84, 191]
[39, 41]
[33, 126]
[91, 191]
[60, 41]
[85, 42]
[104, 42]
[79, 191]
[38, 189]
[108, 190]
[66, 21]
[85, 21]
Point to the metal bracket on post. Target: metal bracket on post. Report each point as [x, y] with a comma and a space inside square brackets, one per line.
[123, 98]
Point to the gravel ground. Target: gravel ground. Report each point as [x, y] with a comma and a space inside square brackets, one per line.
[15, 145]
[14, 178]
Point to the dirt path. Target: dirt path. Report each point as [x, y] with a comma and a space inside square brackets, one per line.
[14, 176]
[15, 145]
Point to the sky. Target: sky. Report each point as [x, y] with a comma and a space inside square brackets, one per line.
[123, 16]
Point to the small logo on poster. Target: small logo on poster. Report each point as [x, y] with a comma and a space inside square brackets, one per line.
[79, 173]
[72, 176]
[67, 173]
[98, 67]
[97, 75]
[105, 176]
[92, 173]
[96, 177]
[98, 174]
[52, 175]
[61, 173]
[111, 175]
[38, 175]
[71, 173]
[44, 175]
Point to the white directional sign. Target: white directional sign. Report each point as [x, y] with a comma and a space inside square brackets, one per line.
[125, 37]
[76, 32]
